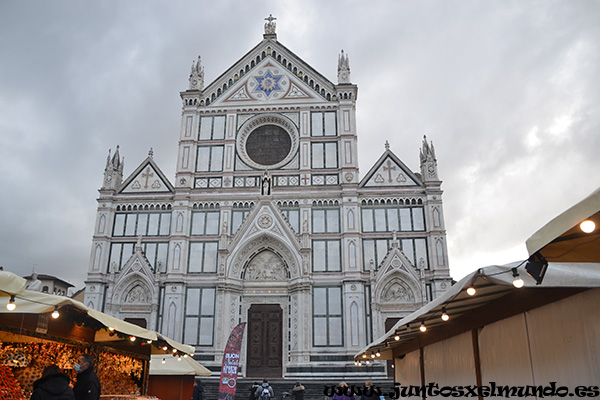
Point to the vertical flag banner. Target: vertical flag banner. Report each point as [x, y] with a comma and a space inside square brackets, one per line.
[231, 363]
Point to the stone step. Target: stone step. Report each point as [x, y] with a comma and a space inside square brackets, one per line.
[314, 387]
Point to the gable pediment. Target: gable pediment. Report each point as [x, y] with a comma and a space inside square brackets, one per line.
[269, 82]
[268, 73]
[147, 178]
[389, 171]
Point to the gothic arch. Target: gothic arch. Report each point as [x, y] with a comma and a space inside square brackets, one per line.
[130, 282]
[240, 258]
[397, 290]
[393, 281]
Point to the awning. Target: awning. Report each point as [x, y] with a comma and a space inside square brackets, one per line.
[169, 365]
[31, 302]
[490, 283]
[561, 239]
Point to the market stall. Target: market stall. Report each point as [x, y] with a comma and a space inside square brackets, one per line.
[172, 378]
[39, 329]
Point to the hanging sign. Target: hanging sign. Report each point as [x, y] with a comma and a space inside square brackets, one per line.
[231, 363]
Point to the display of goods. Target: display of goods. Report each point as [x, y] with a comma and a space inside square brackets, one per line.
[9, 386]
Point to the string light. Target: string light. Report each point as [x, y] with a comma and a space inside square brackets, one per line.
[179, 358]
[55, 313]
[422, 328]
[149, 341]
[517, 282]
[471, 291]
[372, 355]
[164, 361]
[378, 353]
[397, 337]
[132, 338]
[365, 355]
[11, 303]
[445, 316]
[174, 350]
[587, 226]
[165, 348]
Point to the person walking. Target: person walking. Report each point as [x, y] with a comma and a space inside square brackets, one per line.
[298, 391]
[253, 389]
[87, 386]
[53, 385]
[264, 391]
[198, 390]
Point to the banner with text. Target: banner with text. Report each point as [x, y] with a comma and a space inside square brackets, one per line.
[231, 362]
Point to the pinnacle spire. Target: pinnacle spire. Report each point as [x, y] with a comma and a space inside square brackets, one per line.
[343, 68]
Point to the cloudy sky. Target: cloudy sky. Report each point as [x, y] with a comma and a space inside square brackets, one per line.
[508, 91]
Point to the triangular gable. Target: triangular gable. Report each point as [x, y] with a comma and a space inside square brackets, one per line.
[265, 217]
[135, 279]
[147, 178]
[268, 82]
[301, 82]
[389, 171]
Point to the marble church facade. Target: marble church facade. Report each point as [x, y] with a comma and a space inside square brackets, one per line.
[268, 222]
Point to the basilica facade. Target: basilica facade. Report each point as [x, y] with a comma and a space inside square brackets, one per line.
[268, 222]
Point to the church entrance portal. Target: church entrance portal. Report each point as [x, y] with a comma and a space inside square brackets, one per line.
[264, 358]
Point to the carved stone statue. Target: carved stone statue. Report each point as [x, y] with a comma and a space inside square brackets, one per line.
[35, 284]
[270, 25]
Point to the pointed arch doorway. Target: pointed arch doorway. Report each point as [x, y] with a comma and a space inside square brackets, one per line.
[264, 350]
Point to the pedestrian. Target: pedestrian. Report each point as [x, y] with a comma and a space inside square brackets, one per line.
[253, 389]
[368, 392]
[198, 390]
[298, 391]
[264, 391]
[87, 386]
[53, 385]
[342, 392]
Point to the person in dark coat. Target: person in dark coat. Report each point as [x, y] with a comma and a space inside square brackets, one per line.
[53, 385]
[344, 392]
[298, 391]
[253, 388]
[368, 392]
[87, 386]
[198, 390]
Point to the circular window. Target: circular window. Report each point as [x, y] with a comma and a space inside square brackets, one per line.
[267, 141]
[268, 145]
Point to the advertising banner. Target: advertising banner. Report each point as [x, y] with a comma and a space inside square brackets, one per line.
[231, 362]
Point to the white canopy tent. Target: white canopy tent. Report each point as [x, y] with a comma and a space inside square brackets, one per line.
[167, 365]
[31, 302]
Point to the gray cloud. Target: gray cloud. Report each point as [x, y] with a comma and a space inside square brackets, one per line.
[508, 92]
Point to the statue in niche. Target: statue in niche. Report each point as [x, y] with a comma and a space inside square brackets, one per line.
[136, 295]
[265, 184]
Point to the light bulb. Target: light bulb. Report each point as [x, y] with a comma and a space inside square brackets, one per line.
[163, 361]
[396, 337]
[422, 328]
[11, 303]
[367, 362]
[185, 356]
[149, 341]
[471, 291]
[372, 355]
[517, 282]
[587, 226]
[55, 313]
[165, 348]
[179, 358]
[378, 353]
[445, 316]
[365, 355]
[174, 350]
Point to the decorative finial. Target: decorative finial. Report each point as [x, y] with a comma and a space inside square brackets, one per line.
[270, 27]
[387, 145]
[197, 75]
[150, 153]
[343, 68]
